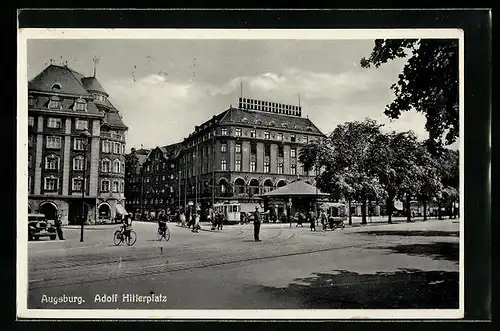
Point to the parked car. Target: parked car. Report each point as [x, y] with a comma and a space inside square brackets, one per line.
[39, 226]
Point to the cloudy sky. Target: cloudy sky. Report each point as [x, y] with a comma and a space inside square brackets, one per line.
[164, 88]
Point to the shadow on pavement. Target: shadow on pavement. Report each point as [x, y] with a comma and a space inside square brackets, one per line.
[404, 289]
[438, 250]
[413, 233]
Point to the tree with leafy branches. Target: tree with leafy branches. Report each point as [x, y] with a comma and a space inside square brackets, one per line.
[429, 84]
[345, 160]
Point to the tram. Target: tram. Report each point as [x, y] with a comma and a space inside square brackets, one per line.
[233, 211]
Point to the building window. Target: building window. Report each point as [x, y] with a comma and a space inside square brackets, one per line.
[266, 134]
[77, 184]
[55, 103]
[31, 121]
[304, 140]
[52, 162]
[80, 105]
[293, 153]
[106, 148]
[267, 150]
[78, 144]
[292, 138]
[171, 176]
[106, 165]
[280, 136]
[266, 166]
[238, 132]
[53, 142]
[29, 183]
[99, 97]
[81, 124]
[237, 166]
[223, 165]
[31, 101]
[105, 186]
[238, 148]
[280, 151]
[51, 183]
[223, 132]
[171, 189]
[280, 168]
[123, 167]
[293, 169]
[78, 163]
[122, 187]
[54, 123]
[30, 161]
[116, 148]
[223, 147]
[116, 186]
[116, 166]
[252, 166]
[172, 166]
[253, 134]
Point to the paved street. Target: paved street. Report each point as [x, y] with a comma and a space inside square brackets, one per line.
[412, 265]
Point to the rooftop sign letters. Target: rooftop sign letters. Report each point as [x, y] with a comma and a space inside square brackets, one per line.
[269, 106]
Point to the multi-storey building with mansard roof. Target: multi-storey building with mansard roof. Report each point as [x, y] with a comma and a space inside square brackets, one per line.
[62, 104]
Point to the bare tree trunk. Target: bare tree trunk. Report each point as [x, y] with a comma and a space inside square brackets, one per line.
[363, 211]
[350, 215]
[389, 209]
[408, 208]
[424, 201]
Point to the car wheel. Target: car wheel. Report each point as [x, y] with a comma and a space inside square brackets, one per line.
[52, 237]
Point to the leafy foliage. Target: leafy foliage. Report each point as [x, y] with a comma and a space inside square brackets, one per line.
[428, 83]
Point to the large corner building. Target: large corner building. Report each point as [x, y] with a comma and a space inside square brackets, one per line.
[242, 152]
[76, 164]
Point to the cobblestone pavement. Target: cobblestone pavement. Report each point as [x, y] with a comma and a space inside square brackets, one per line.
[228, 269]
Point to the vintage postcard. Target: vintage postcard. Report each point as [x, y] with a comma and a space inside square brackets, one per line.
[240, 174]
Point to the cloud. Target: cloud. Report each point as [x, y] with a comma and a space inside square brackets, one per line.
[159, 111]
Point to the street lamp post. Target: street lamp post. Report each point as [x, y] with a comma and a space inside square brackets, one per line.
[179, 195]
[85, 135]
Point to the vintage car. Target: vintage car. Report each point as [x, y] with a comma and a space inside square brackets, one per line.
[39, 226]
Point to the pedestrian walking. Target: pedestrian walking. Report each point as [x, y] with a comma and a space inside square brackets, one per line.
[256, 224]
[220, 221]
[300, 219]
[323, 220]
[196, 223]
[183, 219]
[59, 227]
[312, 221]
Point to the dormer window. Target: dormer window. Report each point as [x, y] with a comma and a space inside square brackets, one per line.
[258, 122]
[99, 97]
[244, 120]
[80, 105]
[31, 101]
[309, 128]
[284, 125]
[56, 87]
[271, 123]
[55, 103]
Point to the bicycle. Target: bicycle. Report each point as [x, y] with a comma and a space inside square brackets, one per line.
[163, 233]
[120, 237]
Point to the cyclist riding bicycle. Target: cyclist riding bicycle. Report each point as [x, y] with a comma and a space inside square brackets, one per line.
[162, 222]
[126, 225]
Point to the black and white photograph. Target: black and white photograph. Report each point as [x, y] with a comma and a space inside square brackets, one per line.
[232, 174]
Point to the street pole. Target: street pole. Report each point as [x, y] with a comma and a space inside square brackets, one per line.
[179, 183]
[142, 192]
[86, 135]
[213, 170]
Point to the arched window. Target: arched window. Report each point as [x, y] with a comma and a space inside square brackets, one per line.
[116, 187]
[271, 123]
[78, 163]
[123, 166]
[56, 86]
[105, 165]
[52, 162]
[284, 125]
[116, 166]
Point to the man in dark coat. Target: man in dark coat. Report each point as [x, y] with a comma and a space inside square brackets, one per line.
[256, 224]
[59, 227]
